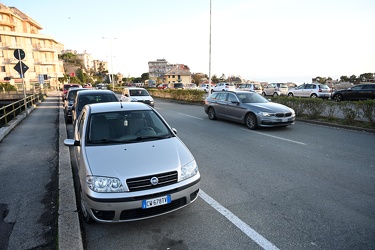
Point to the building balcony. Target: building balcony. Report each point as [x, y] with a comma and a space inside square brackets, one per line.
[45, 48]
[46, 62]
[11, 61]
[11, 45]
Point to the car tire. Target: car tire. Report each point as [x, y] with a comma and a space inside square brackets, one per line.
[337, 98]
[263, 93]
[290, 95]
[275, 94]
[85, 214]
[251, 121]
[313, 96]
[211, 114]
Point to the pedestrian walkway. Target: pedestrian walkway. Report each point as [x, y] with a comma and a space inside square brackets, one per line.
[37, 193]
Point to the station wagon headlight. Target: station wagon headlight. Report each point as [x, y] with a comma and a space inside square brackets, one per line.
[103, 184]
[189, 170]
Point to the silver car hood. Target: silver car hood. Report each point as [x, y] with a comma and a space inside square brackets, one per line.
[138, 159]
[269, 107]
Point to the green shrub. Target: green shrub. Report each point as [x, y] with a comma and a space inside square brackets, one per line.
[350, 112]
[314, 107]
[368, 110]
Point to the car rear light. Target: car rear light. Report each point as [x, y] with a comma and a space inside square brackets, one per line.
[320, 90]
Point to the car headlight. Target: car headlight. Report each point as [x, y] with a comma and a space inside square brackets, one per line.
[102, 184]
[189, 170]
[266, 114]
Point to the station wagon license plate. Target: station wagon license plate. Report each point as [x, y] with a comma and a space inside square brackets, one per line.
[156, 201]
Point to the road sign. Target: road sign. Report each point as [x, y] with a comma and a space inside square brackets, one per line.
[21, 68]
[19, 54]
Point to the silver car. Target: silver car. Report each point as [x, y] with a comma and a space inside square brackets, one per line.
[131, 165]
[249, 108]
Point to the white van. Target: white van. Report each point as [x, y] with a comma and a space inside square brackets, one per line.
[135, 94]
[253, 87]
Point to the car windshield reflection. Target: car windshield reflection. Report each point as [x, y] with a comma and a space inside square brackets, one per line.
[126, 127]
[252, 98]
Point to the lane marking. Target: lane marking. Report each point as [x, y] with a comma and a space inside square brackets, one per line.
[256, 237]
[198, 118]
[276, 137]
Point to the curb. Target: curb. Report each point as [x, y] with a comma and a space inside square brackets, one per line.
[69, 231]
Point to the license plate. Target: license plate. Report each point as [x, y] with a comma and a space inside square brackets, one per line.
[156, 202]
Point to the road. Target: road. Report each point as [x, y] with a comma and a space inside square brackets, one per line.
[301, 187]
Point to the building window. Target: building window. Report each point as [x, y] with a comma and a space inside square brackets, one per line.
[2, 68]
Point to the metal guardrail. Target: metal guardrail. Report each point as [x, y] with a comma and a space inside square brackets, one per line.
[8, 112]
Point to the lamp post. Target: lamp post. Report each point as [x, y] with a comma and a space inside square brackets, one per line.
[110, 48]
[209, 58]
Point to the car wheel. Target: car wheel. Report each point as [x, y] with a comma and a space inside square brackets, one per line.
[251, 121]
[212, 91]
[337, 98]
[275, 94]
[290, 95]
[263, 94]
[211, 113]
[85, 214]
[313, 96]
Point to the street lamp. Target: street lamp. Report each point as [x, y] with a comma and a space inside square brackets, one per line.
[209, 58]
[110, 48]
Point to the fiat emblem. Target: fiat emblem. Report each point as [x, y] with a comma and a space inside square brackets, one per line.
[154, 181]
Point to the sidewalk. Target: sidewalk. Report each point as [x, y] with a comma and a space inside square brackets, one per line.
[36, 178]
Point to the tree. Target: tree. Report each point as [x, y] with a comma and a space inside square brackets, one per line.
[366, 77]
[7, 87]
[344, 79]
[144, 77]
[353, 78]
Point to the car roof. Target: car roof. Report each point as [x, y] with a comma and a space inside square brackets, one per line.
[95, 92]
[134, 88]
[104, 107]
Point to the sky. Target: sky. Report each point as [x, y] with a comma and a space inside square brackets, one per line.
[260, 40]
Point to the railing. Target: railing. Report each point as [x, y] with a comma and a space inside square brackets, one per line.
[8, 112]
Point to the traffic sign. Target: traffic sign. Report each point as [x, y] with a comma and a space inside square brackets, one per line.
[21, 68]
[19, 54]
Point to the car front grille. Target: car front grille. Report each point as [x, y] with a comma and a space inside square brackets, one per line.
[283, 114]
[145, 101]
[144, 182]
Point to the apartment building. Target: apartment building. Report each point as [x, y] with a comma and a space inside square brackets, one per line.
[178, 73]
[157, 69]
[19, 31]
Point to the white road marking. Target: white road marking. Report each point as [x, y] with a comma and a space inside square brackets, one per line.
[276, 137]
[256, 237]
[198, 118]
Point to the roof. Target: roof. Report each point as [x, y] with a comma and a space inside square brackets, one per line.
[95, 92]
[117, 106]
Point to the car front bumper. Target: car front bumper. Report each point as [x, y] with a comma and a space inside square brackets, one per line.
[129, 208]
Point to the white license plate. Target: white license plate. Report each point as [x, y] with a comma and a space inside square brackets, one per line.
[156, 202]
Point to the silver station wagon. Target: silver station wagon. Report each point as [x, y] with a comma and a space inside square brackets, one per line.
[131, 164]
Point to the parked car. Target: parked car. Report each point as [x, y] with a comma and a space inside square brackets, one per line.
[90, 96]
[311, 90]
[275, 89]
[358, 92]
[205, 87]
[176, 85]
[135, 94]
[253, 87]
[223, 86]
[68, 103]
[67, 86]
[248, 108]
[163, 86]
[131, 164]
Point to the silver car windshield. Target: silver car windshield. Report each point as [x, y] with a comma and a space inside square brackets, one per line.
[126, 127]
[252, 98]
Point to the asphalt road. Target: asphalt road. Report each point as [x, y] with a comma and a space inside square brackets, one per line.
[301, 187]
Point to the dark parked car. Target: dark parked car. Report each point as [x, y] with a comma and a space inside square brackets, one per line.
[91, 96]
[359, 92]
[249, 108]
[68, 103]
